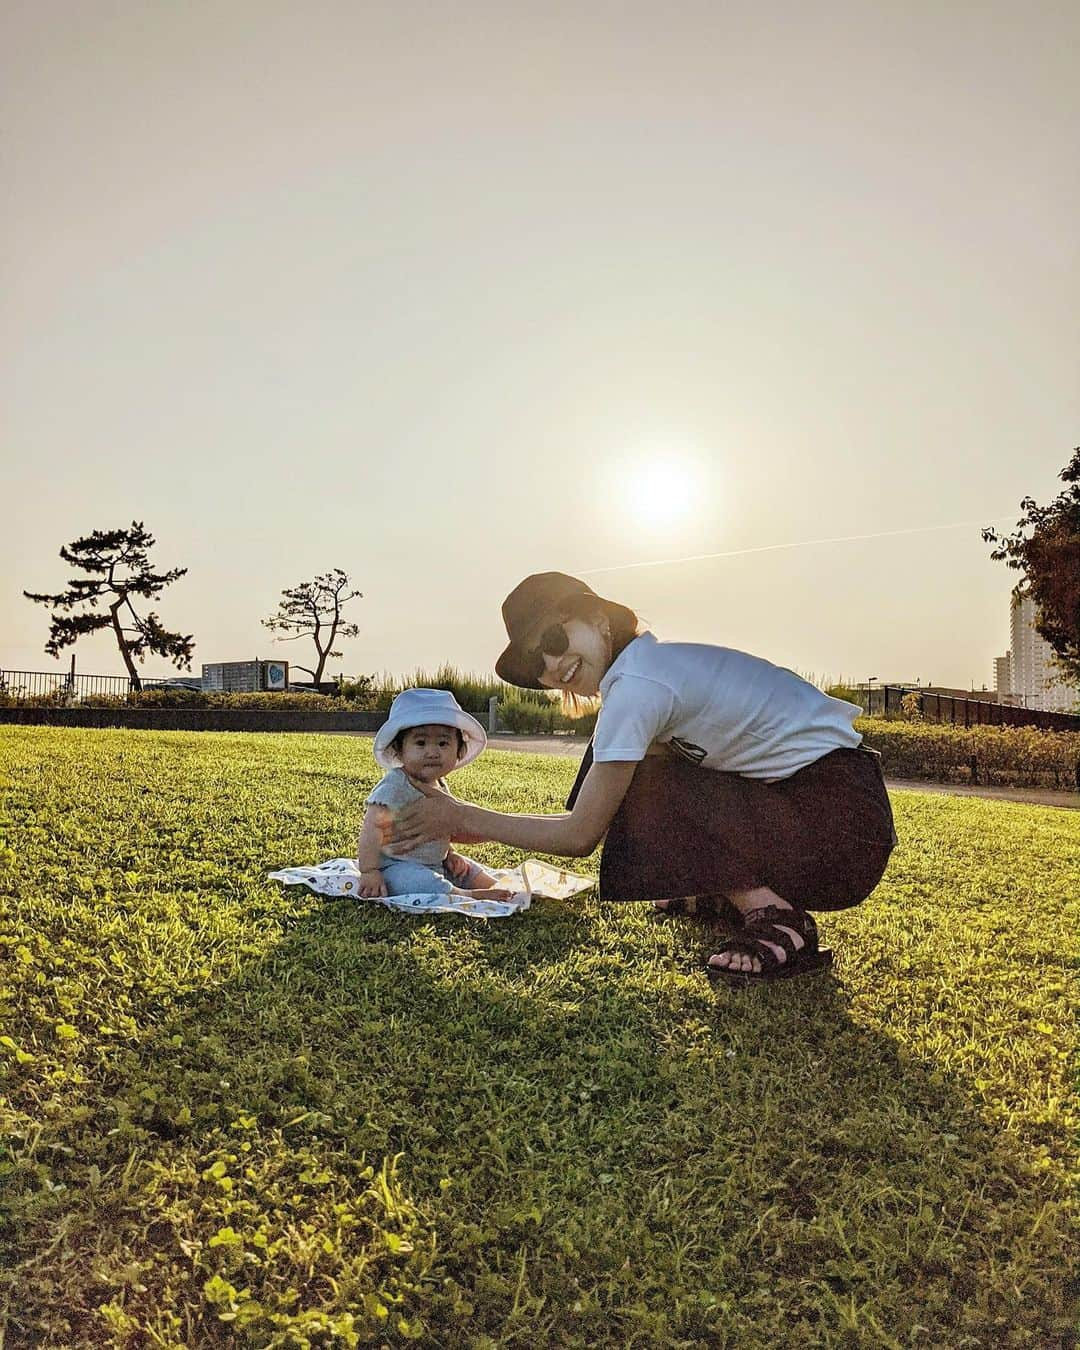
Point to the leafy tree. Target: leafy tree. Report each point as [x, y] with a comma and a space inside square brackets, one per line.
[118, 563]
[314, 609]
[1046, 549]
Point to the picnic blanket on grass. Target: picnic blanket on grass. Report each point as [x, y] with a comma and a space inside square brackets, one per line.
[340, 877]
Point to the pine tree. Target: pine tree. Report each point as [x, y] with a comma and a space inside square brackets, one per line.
[118, 566]
[314, 609]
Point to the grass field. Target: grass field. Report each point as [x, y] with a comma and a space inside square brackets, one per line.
[236, 1115]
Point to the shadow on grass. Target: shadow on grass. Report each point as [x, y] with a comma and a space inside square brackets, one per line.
[596, 1148]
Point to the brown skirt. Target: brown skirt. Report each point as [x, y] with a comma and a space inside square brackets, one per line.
[819, 839]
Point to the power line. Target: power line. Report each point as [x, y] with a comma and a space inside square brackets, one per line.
[800, 543]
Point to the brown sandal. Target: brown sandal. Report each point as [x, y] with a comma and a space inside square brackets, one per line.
[761, 926]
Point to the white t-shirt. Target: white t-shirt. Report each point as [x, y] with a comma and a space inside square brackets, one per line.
[394, 790]
[719, 708]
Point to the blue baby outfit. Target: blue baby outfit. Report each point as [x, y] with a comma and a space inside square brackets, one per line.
[422, 870]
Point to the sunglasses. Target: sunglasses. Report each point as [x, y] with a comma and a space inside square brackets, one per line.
[553, 641]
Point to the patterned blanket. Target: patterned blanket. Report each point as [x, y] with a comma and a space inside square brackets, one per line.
[340, 877]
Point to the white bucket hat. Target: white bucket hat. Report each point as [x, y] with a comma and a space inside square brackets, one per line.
[427, 707]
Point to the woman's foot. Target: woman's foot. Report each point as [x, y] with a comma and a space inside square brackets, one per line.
[715, 909]
[778, 941]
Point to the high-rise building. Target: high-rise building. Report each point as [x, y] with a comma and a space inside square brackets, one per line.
[1003, 677]
[1027, 672]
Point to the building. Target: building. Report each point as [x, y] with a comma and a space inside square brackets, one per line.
[1003, 680]
[245, 677]
[1026, 674]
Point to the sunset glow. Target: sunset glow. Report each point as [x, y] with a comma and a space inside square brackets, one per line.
[659, 491]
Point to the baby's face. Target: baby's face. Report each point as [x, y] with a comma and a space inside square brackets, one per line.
[428, 753]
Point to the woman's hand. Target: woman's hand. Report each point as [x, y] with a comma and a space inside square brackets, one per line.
[438, 817]
[573, 834]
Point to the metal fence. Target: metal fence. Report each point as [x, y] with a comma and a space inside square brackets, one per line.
[62, 689]
[887, 701]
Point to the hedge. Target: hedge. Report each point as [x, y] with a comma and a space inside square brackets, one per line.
[194, 698]
[1003, 756]
[935, 752]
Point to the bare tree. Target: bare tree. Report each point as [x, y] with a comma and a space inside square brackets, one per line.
[118, 564]
[314, 609]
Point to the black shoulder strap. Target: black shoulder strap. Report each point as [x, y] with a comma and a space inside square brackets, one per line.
[586, 765]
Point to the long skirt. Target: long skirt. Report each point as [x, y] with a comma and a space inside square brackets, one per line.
[820, 839]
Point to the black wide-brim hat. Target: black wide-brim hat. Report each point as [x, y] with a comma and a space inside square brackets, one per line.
[533, 604]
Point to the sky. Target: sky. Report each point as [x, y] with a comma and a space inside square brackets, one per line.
[447, 294]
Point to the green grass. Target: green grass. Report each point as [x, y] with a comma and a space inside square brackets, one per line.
[235, 1115]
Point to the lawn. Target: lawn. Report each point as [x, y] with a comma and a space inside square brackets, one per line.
[238, 1115]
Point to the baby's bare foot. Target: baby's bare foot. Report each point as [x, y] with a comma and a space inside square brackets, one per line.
[486, 893]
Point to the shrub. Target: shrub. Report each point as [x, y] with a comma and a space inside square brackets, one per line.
[359, 690]
[472, 691]
[522, 716]
[911, 707]
[1014, 756]
[57, 697]
[194, 698]
[584, 725]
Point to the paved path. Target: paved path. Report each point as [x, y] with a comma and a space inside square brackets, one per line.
[572, 745]
[1069, 801]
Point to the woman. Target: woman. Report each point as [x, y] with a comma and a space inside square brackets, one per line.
[721, 784]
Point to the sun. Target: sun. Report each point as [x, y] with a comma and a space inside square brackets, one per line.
[659, 491]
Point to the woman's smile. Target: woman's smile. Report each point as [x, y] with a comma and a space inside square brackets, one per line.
[580, 667]
[571, 671]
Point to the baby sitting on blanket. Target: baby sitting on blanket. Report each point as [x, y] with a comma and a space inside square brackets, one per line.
[426, 736]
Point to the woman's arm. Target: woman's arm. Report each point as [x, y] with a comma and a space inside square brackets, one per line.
[572, 834]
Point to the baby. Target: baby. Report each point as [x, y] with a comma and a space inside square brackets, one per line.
[426, 735]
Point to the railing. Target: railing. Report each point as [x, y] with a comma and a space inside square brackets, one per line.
[887, 701]
[62, 689]
[54, 688]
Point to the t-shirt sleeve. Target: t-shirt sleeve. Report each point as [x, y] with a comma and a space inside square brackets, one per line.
[392, 790]
[634, 713]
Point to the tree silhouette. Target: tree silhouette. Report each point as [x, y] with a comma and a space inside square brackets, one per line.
[118, 564]
[1049, 559]
[313, 609]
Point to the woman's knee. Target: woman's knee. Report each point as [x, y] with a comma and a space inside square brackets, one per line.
[846, 883]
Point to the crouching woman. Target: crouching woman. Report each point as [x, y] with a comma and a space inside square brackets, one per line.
[720, 784]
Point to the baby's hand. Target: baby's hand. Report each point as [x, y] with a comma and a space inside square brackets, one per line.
[372, 885]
